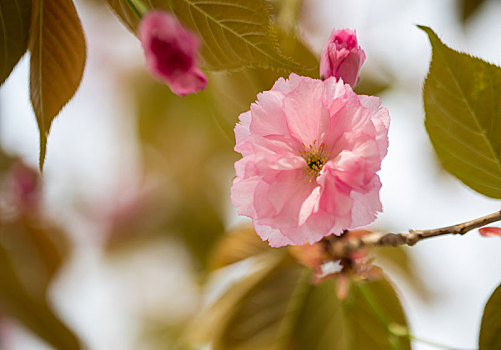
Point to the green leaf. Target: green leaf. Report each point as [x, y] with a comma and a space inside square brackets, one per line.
[286, 13]
[278, 307]
[468, 8]
[372, 85]
[234, 34]
[15, 18]
[292, 46]
[30, 255]
[236, 245]
[57, 61]
[328, 323]
[34, 314]
[248, 315]
[32, 244]
[127, 16]
[400, 260]
[490, 329]
[463, 116]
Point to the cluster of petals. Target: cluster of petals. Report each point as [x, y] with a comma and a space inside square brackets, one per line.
[342, 57]
[170, 51]
[310, 150]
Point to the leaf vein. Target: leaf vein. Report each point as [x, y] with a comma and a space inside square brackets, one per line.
[470, 110]
[231, 4]
[224, 53]
[461, 142]
[206, 46]
[232, 31]
[465, 161]
[241, 21]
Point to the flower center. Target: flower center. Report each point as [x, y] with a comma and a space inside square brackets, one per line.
[316, 157]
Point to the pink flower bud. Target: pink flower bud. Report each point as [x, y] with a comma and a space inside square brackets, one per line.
[170, 52]
[342, 58]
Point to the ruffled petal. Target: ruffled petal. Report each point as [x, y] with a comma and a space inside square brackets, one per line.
[268, 116]
[242, 194]
[287, 128]
[307, 117]
[242, 132]
[279, 199]
[274, 236]
[188, 83]
[366, 204]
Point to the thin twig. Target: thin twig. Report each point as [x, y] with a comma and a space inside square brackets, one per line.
[343, 247]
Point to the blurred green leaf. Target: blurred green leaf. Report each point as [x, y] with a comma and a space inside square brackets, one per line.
[293, 46]
[15, 17]
[463, 116]
[400, 260]
[328, 323]
[57, 63]
[30, 255]
[30, 244]
[5, 161]
[127, 16]
[235, 34]
[286, 13]
[161, 335]
[238, 244]
[372, 86]
[191, 162]
[490, 328]
[277, 307]
[468, 8]
[262, 296]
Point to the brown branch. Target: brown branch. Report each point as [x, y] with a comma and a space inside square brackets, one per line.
[343, 246]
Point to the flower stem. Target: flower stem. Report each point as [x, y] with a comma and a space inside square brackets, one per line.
[339, 247]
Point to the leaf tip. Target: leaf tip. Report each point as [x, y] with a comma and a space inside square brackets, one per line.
[431, 34]
[43, 150]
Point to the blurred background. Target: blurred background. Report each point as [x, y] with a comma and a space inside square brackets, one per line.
[135, 193]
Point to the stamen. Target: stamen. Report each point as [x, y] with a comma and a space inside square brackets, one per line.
[315, 158]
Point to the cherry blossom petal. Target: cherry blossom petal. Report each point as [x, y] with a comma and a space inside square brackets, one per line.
[490, 231]
[311, 151]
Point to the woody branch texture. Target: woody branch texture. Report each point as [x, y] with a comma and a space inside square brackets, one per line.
[339, 247]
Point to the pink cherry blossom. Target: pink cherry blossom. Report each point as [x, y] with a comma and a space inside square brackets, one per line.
[342, 57]
[170, 52]
[490, 231]
[311, 150]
